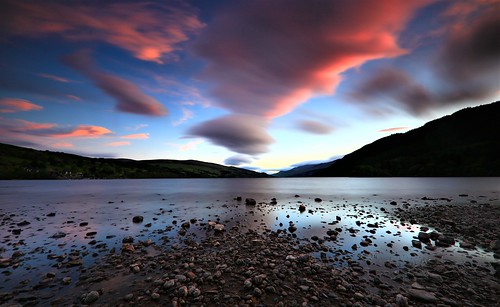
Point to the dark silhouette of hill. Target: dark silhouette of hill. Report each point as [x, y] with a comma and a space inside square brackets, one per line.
[25, 163]
[466, 143]
[303, 170]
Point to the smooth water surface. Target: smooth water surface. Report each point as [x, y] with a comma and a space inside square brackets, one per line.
[95, 215]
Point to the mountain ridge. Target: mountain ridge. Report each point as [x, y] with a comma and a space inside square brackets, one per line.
[465, 143]
[27, 163]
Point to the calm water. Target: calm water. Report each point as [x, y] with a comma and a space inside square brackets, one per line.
[107, 206]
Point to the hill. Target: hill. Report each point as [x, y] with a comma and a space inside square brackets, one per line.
[24, 163]
[466, 143]
[303, 170]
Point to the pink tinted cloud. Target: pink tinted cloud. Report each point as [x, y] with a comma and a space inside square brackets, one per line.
[137, 136]
[128, 96]
[53, 130]
[43, 135]
[267, 57]
[149, 30]
[394, 129]
[119, 143]
[187, 146]
[55, 78]
[62, 145]
[12, 105]
[81, 131]
[19, 125]
[186, 115]
[73, 97]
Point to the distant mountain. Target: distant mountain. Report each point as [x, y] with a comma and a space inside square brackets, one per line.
[24, 163]
[303, 170]
[466, 143]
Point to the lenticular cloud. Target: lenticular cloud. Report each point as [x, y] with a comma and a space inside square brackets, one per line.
[267, 57]
[129, 98]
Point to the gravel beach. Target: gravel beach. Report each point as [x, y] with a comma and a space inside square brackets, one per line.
[211, 262]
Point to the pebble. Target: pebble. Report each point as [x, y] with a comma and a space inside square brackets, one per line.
[90, 297]
[422, 295]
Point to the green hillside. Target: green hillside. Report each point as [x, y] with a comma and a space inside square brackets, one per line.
[24, 163]
[466, 143]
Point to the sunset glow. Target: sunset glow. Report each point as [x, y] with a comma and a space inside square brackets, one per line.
[244, 83]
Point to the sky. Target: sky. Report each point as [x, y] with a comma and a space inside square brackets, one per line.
[259, 84]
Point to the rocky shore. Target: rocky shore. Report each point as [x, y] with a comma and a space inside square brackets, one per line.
[213, 263]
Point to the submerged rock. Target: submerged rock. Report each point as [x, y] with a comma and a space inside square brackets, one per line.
[138, 219]
[250, 202]
[59, 234]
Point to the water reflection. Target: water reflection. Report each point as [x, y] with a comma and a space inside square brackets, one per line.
[355, 208]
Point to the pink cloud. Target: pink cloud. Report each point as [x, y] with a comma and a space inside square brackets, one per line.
[149, 30]
[46, 135]
[187, 146]
[19, 125]
[128, 96]
[186, 115]
[11, 105]
[73, 97]
[82, 131]
[137, 136]
[117, 144]
[52, 130]
[266, 60]
[62, 145]
[394, 129]
[55, 78]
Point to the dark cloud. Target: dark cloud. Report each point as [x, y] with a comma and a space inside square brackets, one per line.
[396, 86]
[128, 96]
[469, 60]
[314, 127]
[244, 134]
[466, 66]
[238, 160]
[472, 50]
[267, 57]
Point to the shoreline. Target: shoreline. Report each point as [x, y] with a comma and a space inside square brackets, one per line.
[209, 266]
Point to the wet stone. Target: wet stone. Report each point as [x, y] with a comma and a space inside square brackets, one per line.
[138, 219]
[422, 295]
[58, 235]
[128, 239]
[89, 298]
